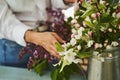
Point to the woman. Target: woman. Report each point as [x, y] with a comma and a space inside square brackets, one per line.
[17, 18]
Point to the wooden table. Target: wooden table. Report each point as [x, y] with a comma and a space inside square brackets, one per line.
[12, 73]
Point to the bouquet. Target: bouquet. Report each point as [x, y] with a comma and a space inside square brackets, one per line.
[94, 29]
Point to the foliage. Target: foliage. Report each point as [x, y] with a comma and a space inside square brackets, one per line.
[95, 28]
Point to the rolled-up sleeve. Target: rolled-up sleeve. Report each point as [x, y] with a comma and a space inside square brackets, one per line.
[10, 27]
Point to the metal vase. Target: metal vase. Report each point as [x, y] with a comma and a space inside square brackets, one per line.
[105, 67]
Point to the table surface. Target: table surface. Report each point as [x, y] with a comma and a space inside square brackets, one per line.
[12, 73]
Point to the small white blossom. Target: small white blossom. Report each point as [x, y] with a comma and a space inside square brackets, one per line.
[95, 53]
[76, 17]
[74, 21]
[84, 24]
[77, 25]
[100, 45]
[74, 31]
[90, 43]
[106, 41]
[105, 44]
[73, 41]
[76, 7]
[69, 57]
[108, 47]
[94, 21]
[114, 43]
[115, 31]
[72, 35]
[96, 45]
[79, 47]
[118, 15]
[103, 29]
[93, 15]
[81, 29]
[114, 14]
[87, 19]
[89, 33]
[78, 36]
[119, 27]
[110, 30]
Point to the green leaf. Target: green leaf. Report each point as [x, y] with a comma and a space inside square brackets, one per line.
[88, 12]
[58, 47]
[84, 55]
[54, 74]
[89, 23]
[40, 67]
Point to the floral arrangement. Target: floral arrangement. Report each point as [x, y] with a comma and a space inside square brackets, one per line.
[94, 29]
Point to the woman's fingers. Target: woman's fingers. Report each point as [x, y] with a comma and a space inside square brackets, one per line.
[59, 39]
[51, 49]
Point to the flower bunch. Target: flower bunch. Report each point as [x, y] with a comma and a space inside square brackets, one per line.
[95, 28]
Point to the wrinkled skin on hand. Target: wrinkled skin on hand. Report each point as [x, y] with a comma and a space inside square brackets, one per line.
[44, 39]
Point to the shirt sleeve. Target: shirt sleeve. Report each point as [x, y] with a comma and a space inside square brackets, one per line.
[10, 27]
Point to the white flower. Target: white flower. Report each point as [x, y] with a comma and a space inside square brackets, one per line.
[119, 27]
[97, 45]
[93, 15]
[87, 19]
[110, 30]
[81, 29]
[102, 2]
[72, 35]
[114, 43]
[74, 21]
[77, 25]
[84, 24]
[74, 31]
[108, 47]
[103, 29]
[114, 14]
[118, 15]
[76, 17]
[100, 45]
[73, 41]
[79, 47]
[68, 57]
[94, 21]
[90, 43]
[78, 36]
[89, 33]
[95, 53]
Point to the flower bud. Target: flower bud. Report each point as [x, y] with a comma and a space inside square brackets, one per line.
[93, 15]
[73, 21]
[77, 26]
[110, 30]
[98, 14]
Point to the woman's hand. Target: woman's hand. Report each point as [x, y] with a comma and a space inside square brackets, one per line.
[44, 39]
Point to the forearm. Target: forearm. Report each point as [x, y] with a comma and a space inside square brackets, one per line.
[10, 27]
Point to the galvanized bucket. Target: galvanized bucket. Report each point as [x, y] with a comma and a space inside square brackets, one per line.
[105, 66]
